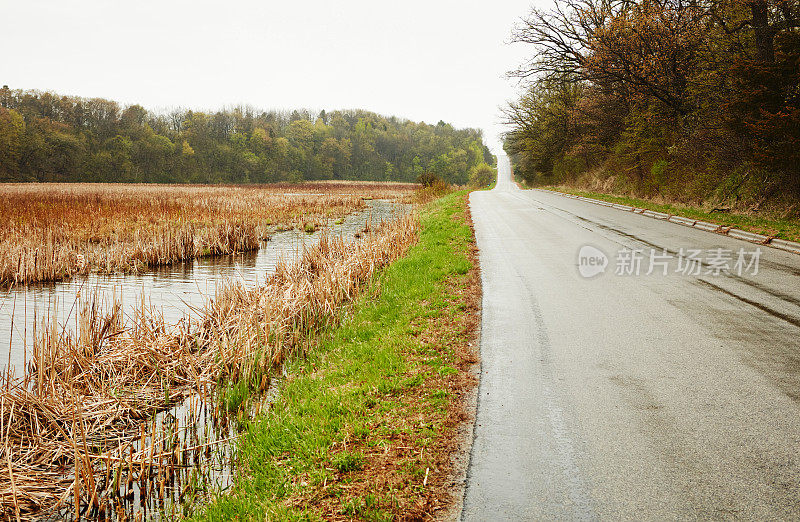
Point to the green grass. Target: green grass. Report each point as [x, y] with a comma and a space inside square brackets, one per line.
[767, 225]
[348, 461]
[342, 393]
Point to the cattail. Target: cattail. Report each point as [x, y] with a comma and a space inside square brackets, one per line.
[245, 333]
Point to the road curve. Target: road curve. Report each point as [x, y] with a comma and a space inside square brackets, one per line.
[638, 397]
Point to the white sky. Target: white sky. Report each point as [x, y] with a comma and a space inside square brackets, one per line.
[422, 60]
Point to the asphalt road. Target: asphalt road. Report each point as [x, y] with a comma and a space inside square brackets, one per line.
[627, 396]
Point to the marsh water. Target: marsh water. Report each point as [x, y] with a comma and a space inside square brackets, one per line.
[196, 431]
[177, 291]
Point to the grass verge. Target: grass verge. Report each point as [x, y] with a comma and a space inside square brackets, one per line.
[785, 228]
[365, 426]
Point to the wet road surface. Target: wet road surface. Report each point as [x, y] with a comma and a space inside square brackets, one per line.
[630, 395]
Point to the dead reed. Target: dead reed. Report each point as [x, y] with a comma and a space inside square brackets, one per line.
[49, 232]
[73, 426]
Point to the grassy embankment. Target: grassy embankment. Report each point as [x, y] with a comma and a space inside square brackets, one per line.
[365, 425]
[769, 225]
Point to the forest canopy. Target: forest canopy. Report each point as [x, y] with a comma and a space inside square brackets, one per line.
[48, 137]
[686, 99]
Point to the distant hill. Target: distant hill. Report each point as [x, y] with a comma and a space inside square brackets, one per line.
[48, 137]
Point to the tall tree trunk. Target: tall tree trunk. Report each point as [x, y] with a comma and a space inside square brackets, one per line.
[764, 33]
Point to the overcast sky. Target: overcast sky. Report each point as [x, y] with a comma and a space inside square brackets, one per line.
[423, 60]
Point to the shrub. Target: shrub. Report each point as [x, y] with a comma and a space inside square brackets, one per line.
[427, 179]
[481, 175]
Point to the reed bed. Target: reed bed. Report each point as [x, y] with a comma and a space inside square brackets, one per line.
[77, 428]
[50, 232]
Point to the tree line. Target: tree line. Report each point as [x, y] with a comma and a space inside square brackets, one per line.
[688, 99]
[47, 137]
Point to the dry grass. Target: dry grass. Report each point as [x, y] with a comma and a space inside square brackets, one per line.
[50, 232]
[433, 191]
[72, 427]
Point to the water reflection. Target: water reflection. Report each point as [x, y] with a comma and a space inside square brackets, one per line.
[176, 291]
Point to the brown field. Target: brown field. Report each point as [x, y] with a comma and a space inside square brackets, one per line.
[71, 426]
[50, 232]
